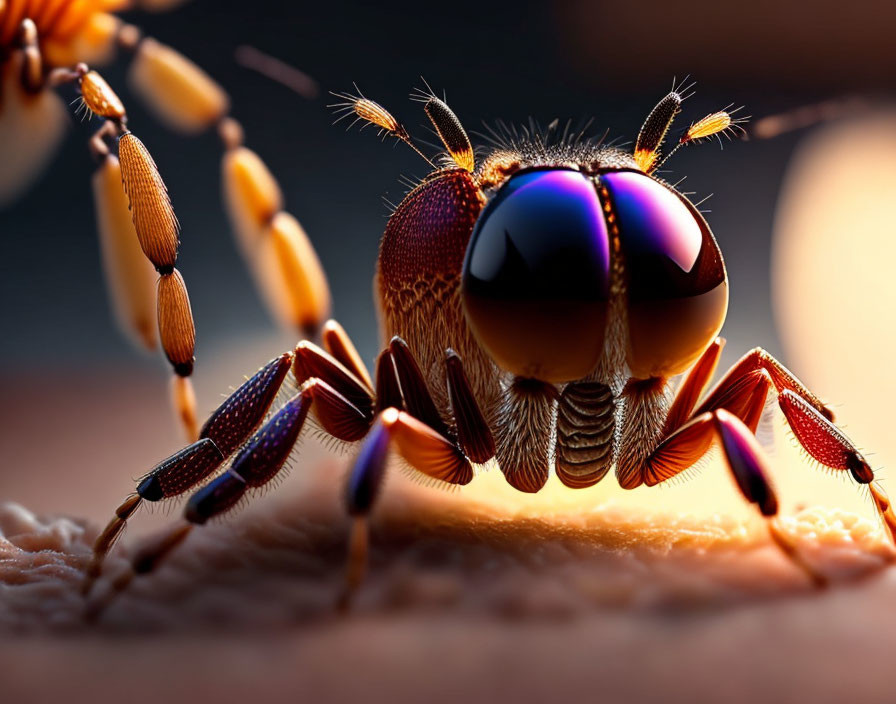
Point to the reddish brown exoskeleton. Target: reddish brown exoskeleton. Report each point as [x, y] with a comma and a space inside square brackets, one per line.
[533, 308]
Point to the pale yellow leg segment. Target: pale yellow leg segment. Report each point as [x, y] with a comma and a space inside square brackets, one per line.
[251, 194]
[90, 39]
[31, 128]
[289, 266]
[183, 400]
[130, 277]
[181, 94]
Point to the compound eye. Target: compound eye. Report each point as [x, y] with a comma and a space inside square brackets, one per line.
[536, 276]
[676, 285]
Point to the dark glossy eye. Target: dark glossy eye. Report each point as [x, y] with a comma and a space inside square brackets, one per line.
[536, 276]
[675, 280]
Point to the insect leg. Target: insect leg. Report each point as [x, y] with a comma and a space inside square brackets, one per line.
[338, 344]
[423, 419]
[810, 420]
[274, 245]
[420, 446]
[746, 461]
[388, 392]
[782, 377]
[693, 386]
[32, 68]
[227, 428]
[259, 461]
[473, 434]
[33, 122]
[674, 455]
[262, 458]
[312, 362]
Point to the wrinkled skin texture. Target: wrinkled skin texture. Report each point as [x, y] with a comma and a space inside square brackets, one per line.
[461, 594]
[480, 593]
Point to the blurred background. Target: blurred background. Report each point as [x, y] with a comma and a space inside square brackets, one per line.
[82, 413]
[806, 222]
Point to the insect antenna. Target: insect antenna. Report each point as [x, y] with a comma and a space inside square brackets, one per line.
[371, 113]
[724, 122]
[447, 126]
[654, 130]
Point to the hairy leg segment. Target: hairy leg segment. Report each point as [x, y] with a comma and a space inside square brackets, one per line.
[730, 414]
[252, 446]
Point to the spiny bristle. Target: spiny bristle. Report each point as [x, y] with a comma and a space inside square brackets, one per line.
[717, 123]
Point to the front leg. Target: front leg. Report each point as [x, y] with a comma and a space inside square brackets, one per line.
[730, 413]
[746, 461]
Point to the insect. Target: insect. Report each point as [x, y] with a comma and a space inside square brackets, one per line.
[534, 302]
[46, 46]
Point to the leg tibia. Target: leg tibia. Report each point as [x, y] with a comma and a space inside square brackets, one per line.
[425, 449]
[782, 378]
[338, 344]
[693, 386]
[822, 439]
[241, 413]
[311, 362]
[255, 464]
[746, 460]
[473, 434]
[336, 414]
[182, 471]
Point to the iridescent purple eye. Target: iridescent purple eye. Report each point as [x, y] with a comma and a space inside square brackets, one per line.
[536, 276]
[675, 280]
